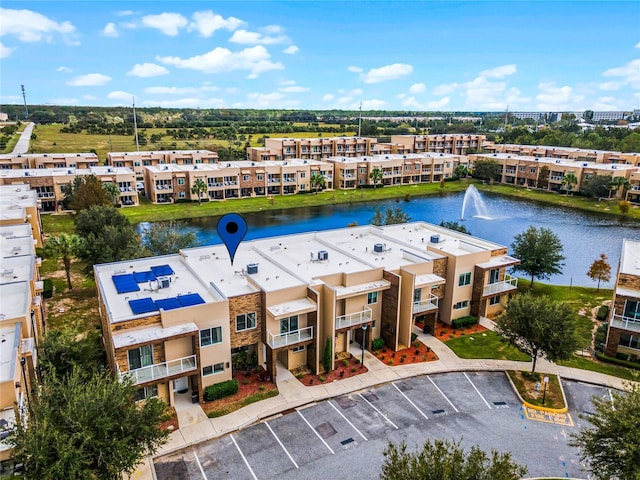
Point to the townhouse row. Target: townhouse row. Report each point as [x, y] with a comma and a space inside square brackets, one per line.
[175, 323]
[22, 320]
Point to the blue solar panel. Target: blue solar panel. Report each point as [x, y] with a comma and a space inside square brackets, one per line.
[162, 270]
[142, 277]
[142, 305]
[168, 303]
[125, 283]
[190, 299]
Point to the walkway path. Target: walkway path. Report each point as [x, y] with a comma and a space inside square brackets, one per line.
[23, 143]
[293, 394]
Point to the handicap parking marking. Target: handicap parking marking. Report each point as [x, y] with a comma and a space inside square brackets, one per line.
[548, 417]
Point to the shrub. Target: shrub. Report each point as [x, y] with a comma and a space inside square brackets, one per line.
[464, 322]
[220, 390]
[326, 361]
[47, 288]
[345, 363]
[377, 344]
[390, 362]
[321, 378]
[261, 388]
[414, 337]
[603, 312]
[416, 344]
[620, 359]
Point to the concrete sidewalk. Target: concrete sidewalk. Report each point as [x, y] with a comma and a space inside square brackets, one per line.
[293, 394]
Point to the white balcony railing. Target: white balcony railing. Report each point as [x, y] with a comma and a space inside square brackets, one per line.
[625, 323]
[352, 319]
[509, 283]
[161, 370]
[426, 305]
[289, 338]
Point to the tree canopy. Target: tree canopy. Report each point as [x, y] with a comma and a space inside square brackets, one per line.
[163, 238]
[85, 192]
[539, 326]
[445, 460]
[66, 247]
[600, 270]
[486, 169]
[597, 186]
[457, 226]
[539, 252]
[376, 176]
[391, 216]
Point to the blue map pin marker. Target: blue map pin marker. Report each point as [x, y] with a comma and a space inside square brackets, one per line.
[232, 228]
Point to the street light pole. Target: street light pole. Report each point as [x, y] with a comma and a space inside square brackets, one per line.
[364, 338]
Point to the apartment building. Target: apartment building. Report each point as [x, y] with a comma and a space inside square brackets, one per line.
[19, 206]
[564, 153]
[397, 169]
[633, 193]
[227, 180]
[48, 160]
[47, 183]
[312, 148]
[526, 171]
[623, 337]
[454, 143]
[175, 323]
[137, 161]
[21, 313]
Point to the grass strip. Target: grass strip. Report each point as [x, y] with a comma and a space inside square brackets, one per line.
[486, 345]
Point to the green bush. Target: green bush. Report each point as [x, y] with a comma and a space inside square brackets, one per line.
[220, 390]
[377, 344]
[624, 362]
[464, 322]
[414, 337]
[603, 313]
[47, 288]
[326, 361]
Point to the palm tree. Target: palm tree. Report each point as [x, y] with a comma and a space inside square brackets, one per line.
[199, 187]
[376, 176]
[65, 246]
[461, 171]
[617, 184]
[568, 181]
[113, 192]
[317, 181]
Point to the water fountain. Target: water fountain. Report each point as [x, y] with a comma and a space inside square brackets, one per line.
[472, 196]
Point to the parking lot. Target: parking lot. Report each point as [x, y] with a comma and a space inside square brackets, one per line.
[345, 436]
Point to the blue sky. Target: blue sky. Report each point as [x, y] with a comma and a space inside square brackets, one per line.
[401, 55]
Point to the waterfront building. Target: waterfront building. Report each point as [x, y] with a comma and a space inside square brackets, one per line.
[137, 161]
[312, 148]
[450, 143]
[564, 153]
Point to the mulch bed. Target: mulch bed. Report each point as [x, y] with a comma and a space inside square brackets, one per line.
[256, 381]
[172, 423]
[418, 353]
[346, 366]
[447, 332]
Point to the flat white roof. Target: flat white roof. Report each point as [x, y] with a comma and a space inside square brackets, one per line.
[130, 337]
[13, 300]
[15, 231]
[9, 343]
[298, 307]
[630, 257]
[499, 261]
[17, 269]
[159, 152]
[15, 246]
[99, 170]
[381, 158]
[214, 167]
[561, 162]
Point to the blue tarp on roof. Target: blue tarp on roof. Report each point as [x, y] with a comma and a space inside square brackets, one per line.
[168, 303]
[162, 270]
[142, 305]
[142, 277]
[125, 283]
[190, 299]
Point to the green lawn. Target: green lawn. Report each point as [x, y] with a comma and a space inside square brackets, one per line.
[594, 365]
[488, 345]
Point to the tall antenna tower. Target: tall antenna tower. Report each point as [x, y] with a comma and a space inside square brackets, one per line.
[24, 97]
[360, 120]
[135, 124]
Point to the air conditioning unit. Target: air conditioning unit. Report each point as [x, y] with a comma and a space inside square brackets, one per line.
[435, 239]
[164, 282]
[323, 255]
[252, 268]
[378, 248]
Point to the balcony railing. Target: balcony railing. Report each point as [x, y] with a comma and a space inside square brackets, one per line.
[289, 338]
[352, 319]
[426, 305]
[46, 194]
[161, 370]
[625, 323]
[509, 283]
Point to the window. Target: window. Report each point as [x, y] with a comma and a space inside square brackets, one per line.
[460, 305]
[630, 341]
[212, 369]
[494, 275]
[407, 167]
[181, 195]
[464, 279]
[260, 176]
[303, 187]
[246, 321]
[417, 294]
[146, 392]
[297, 349]
[494, 300]
[181, 181]
[532, 169]
[289, 324]
[362, 170]
[245, 178]
[372, 297]
[521, 168]
[140, 357]
[210, 336]
[303, 174]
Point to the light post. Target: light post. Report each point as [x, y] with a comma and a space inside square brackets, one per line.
[545, 380]
[364, 339]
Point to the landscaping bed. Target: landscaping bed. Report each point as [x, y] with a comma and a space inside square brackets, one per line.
[346, 366]
[417, 353]
[446, 332]
[171, 423]
[531, 389]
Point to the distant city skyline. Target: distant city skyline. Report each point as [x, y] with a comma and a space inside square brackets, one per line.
[318, 55]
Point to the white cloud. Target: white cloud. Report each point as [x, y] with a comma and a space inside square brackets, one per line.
[245, 37]
[110, 30]
[418, 88]
[382, 74]
[609, 86]
[439, 104]
[637, 45]
[5, 51]
[147, 70]
[445, 89]
[120, 95]
[629, 73]
[179, 90]
[553, 98]
[207, 23]
[254, 59]
[125, 13]
[328, 97]
[89, 80]
[294, 89]
[608, 103]
[412, 103]
[29, 26]
[63, 69]
[291, 50]
[168, 23]
[373, 104]
[499, 72]
[273, 29]
[264, 100]
[354, 69]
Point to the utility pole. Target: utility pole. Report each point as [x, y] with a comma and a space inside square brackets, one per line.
[24, 97]
[360, 120]
[135, 124]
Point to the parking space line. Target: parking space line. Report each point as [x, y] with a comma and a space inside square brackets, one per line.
[442, 393]
[278, 440]
[200, 465]
[314, 431]
[409, 400]
[347, 420]
[243, 457]
[374, 407]
[477, 391]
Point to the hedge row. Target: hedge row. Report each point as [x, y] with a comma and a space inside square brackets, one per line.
[618, 361]
[220, 390]
[603, 312]
[47, 288]
[464, 322]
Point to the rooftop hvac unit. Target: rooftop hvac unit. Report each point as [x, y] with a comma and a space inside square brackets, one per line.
[7, 272]
[435, 239]
[323, 255]
[252, 268]
[164, 282]
[378, 248]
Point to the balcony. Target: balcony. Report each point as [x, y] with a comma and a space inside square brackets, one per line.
[46, 195]
[625, 323]
[509, 283]
[353, 319]
[289, 338]
[426, 305]
[161, 370]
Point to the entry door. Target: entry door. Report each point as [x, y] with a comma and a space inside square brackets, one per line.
[181, 383]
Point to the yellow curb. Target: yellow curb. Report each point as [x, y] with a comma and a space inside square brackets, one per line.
[545, 409]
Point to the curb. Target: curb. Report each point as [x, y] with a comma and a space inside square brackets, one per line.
[537, 407]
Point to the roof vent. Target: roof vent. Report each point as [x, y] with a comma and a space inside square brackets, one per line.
[435, 239]
[323, 255]
[252, 268]
[378, 248]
